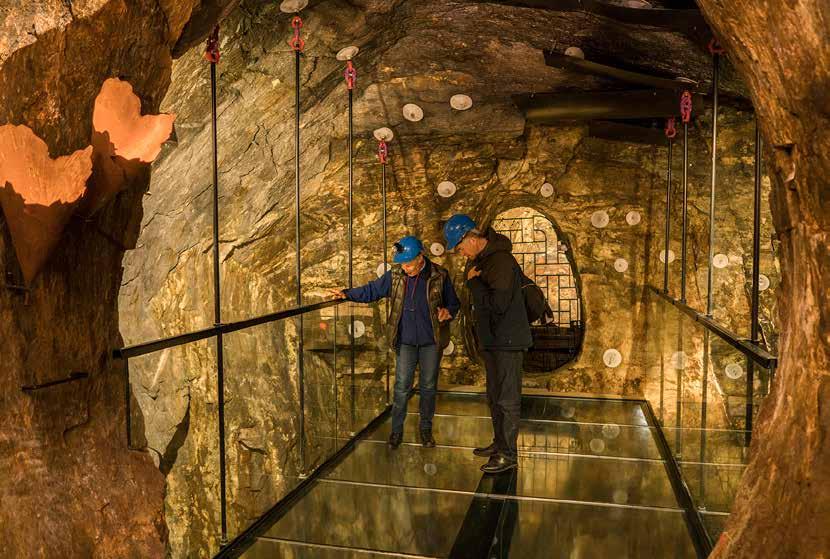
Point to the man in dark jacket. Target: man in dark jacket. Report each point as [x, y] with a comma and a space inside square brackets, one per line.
[422, 304]
[493, 277]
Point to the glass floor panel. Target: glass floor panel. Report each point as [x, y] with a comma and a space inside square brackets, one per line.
[547, 530]
[591, 483]
[266, 548]
[619, 412]
[377, 518]
[537, 436]
[571, 478]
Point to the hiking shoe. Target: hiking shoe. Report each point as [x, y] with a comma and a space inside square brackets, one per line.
[427, 440]
[486, 451]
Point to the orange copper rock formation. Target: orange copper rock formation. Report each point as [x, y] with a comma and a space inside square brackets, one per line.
[123, 140]
[38, 194]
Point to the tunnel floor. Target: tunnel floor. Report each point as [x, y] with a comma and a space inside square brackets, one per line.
[592, 482]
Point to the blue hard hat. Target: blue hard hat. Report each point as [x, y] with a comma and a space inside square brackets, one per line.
[407, 249]
[456, 227]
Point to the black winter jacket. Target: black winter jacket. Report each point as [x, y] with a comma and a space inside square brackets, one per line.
[498, 303]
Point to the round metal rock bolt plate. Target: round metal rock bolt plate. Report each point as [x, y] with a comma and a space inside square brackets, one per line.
[412, 112]
[621, 265]
[763, 282]
[633, 217]
[449, 349]
[293, 6]
[359, 328]
[547, 190]
[446, 189]
[663, 256]
[383, 134]
[382, 269]
[437, 249]
[720, 261]
[612, 358]
[620, 496]
[610, 431]
[461, 102]
[597, 446]
[599, 219]
[347, 53]
[576, 52]
[678, 360]
[734, 371]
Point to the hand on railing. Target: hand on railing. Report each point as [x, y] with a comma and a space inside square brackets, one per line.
[337, 293]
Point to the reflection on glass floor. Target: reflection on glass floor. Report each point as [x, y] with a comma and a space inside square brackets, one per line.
[591, 483]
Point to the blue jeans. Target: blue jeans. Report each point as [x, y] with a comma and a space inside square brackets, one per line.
[409, 356]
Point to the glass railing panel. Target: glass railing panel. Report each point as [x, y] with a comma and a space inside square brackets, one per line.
[319, 385]
[174, 415]
[265, 451]
[706, 395]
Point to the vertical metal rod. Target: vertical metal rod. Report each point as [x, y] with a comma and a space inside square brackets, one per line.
[300, 368]
[128, 398]
[701, 504]
[685, 212]
[334, 365]
[668, 221]
[351, 195]
[750, 396]
[678, 438]
[385, 262]
[217, 310]
[710, 274]
[756, 239]
[351, 248]
[754, 327]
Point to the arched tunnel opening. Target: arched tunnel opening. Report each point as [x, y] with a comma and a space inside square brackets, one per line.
[543, 253]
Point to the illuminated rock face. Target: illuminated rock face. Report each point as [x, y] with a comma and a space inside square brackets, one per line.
[783, 507]
[496, 161]
[39, 193]
[68, 485]
[123, 139]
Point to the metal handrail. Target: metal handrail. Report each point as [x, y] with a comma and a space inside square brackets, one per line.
[753, 351]
[189, 337]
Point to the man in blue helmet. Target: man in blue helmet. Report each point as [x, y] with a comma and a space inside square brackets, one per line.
[501, 325]
[422, 304]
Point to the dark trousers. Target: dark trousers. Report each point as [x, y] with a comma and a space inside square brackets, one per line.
[409, 357]
[504, 393]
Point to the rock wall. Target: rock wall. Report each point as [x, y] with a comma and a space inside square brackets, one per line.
[69, 486]
[786, 65]
[423, 53]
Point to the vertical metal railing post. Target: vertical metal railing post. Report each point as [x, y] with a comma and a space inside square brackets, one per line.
[128, 402]
[351, 75]
[686, 113]
[754, 327]
[701, 499]
[710, 266]
[212, 56]
[297, 44]
[383, 155]
[670, 134]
